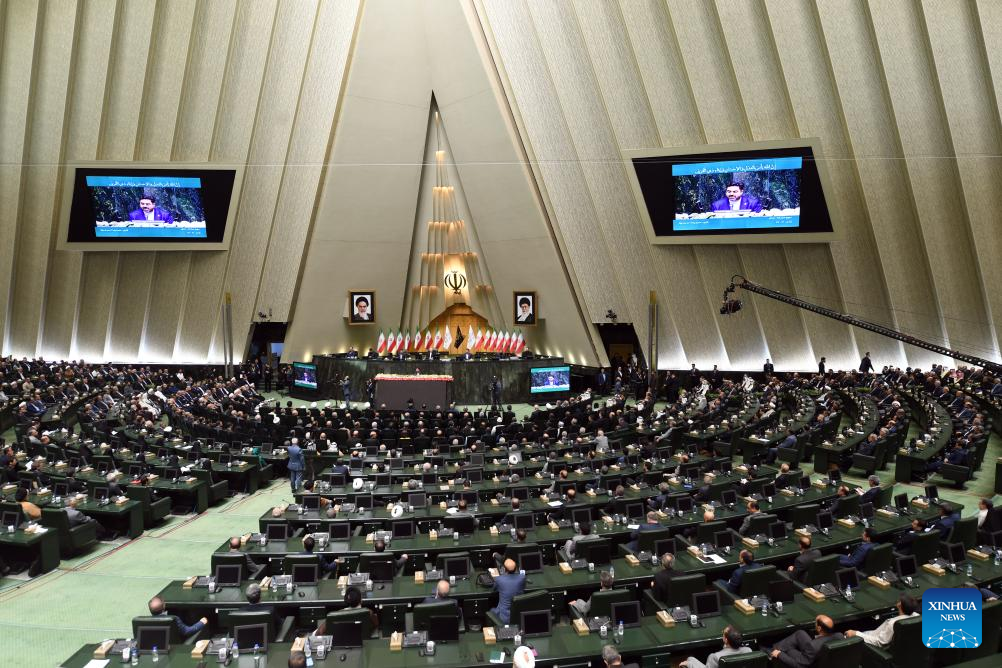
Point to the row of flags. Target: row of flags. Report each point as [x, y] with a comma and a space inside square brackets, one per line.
[490, 341]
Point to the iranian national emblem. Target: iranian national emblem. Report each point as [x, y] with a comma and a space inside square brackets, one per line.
[951, 618]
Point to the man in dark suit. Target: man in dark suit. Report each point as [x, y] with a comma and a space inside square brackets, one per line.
[253, 593]
[803, 561]
[789, 442]
[663, 578]
[753, 511]
[441, 594]
[800, 649]
[821, 366]
[735, 199]
[747, 560]
[508, 585]
[947, 518]
[651, 524]
[904, 544]
[768, 367]
[865, 364]
[870, 495]
[858, 556]
[158, 608]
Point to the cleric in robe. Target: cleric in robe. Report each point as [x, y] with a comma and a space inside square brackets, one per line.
[150, 212]
[525, 308]
[363, 308]
[735, 199]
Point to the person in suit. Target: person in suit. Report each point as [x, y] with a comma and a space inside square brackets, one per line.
[865, 364]
[662, 579]
[821, 366]
[508, 585]
[570, 547]
[441, 594]
[250, 568]
[871, 494]
[799, 650]
[804, 560]
[612, 659]
[651, 524]
[732, 645]
[884, 634]
[753, 512]
[582, 606]
[159, 608]
[947, 518]
[747, 560]
[789, 442]
[149, 211]
[735, 199]
[253, 594]
[346, 391]
[768, 367]
[297, 463]
[858, 556]
[904, 544]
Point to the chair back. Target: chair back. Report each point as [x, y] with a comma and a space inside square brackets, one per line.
[803, 515]
[424, 612]
[760, 524]
[601, 601]
[822, 570]
[534, 600]
[683, 587]
[706, 531]
[965, 531]
[647, 539]
[367, 558]
[840, 653]
[158, 622]
[991, 629]
[235, 618]
[351, 615]
[297, 559]
[926, 546]
[907, 647]
[229, 559]
[747, 660]
[756, 580]
[879, 558]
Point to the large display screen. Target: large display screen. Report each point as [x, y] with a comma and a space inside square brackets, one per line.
[129, 208]
[304, 375]
[753, 193]
[550, 379]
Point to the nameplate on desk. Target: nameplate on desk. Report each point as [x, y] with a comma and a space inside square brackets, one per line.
[744, 607]
[554, 526]
[693, 550]
[153, 476]
[920, 503]
[298, 645]
[489, 637]
[121, 500]
[443, 505]
[418, 577]
[565, 568]
[9, 488]
[814, 595]
[199, 649]
[976, 554]
[614, 467]
[494, 502]
[494, 531]
[632, 560]
[750, 543]
[494, 572]
[878, 582]
[342, 581]
[102, 650]
[847, 523]
[787, 492]
[190, 582]
[590, 492]
[432, 535]
[370, 538]
[665, 619]
[883, 512]
[608, 520]
[934, 569]
[396, 641]
[662, 515]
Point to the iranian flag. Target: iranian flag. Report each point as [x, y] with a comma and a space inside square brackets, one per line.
[505, 342]
[480, 335]
[381, 343]
[447, 339]
[520, 346]
[407, 341]
[492, 341]
[399, 343]
[427, 340]
[485, 341]
[417, 339]
[470, 339]
[512, 343]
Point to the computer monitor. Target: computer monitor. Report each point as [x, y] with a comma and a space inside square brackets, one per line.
[530, 562]
[277, 531]
[382, 480]
[777, 530]
[345, 635]
[417, 499]
[705, 603]
[74, 462]
[768, 490]
[382, 571]
[520, 493]
[523, 521]
[901, 500]
[162, 453]
[476, 459]
[726, 467]
[443, 628]
[340, 531]
[627, 612]
[835, 475]
[305, 574]
[364, 502]
[723, 539]
[469, 496]
[172, 474]
[866, 511]
[192, 457]
[581, 515]
[464, 525]
[10, 518]
[684, 504]
[395, 463]
[805, 482]
[665, 546]
[906, 566]
[267, 448]
[224, 458]
[825, 520]
[847, 577]
[311, 502]
[931, 492]
[458, 566]
[475, 476]
[250, 636]
[135, 470]
[953, 552]
[403, 529]
[60, 489]
[595, 552]
[100, 493]
[782, 590]
[535, 623]
[633, 509]
[228, 575]
[336, 479]
[148, 637]
[729, 497]
[429, 478]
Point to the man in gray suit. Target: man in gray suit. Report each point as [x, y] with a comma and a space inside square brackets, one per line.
[799, 650]
[732, 645]
[753, 511]
[803, 561]
[601, 441]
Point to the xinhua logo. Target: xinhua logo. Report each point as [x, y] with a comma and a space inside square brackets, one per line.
[951, 618]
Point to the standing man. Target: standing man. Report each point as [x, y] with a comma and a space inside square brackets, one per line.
[768, 368]
[509, 584]
[821, 366]
[600, 381]
[495, 391]
[346, 389]
[296, 463]
[370, 390]
[865, 365]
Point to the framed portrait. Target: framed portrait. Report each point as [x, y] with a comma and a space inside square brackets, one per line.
[526, 305]
[361, 307]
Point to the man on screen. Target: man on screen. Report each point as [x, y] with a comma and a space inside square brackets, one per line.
[149, 211]
[735, 199]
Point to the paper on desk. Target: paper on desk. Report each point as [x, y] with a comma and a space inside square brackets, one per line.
[633, 527]
[555, 504]
[97, 663]
[713, 558]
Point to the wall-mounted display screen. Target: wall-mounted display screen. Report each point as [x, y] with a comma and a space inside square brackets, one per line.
[550, 379]
[128, 207]
[729, 194]
[304, 375]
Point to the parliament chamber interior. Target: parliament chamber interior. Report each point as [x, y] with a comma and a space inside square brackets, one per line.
[396, 333]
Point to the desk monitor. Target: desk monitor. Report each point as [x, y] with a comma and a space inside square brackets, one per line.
[443, 628]
[627, 612]
[403, 529]
[74, 462]
[355, 464]
[729, 497]
[345, 635]
[382, 571]
[564, 485]
[364, 502]
[835, 475]
[783, 590]
[135, 470]
[684, 504]
[847, 577]
[726, 467]
[705, 603]
[278, 531]
[690, 470]
[581, 515]
[267, 448]
[102, 469]
[476, 459]
[311, 501]
[520, 493]
[901, 500]
[228, 575]
[535, 623]
[458, 566]
[336, 479]
[953, 552]
[340, 531]
[382, 480]
[866, 511]
[161, 453]
[148, 637]
[60, 489]
[530, 562]
[192, 456]
[523, 521]
[100, 493]
[172, 474]
[906, 566]
[768, 490]
[224, 458]
[777, 530]
[464, 525]
[931, 492]
[825, 520]
[723, 539]
[305, 574]
[250, 636]
[469, 496]
[429, 478]
[10, 518]
[665, 546]
[594, 551]
[418, 499]
[395, 463]
[475, 475]
[805, 482]
[635, 509]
